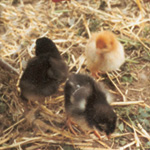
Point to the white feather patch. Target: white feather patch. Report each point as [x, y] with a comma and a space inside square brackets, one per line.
[82, 104]
[109, 96]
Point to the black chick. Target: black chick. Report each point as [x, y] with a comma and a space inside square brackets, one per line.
[87, 100]
[44, 73]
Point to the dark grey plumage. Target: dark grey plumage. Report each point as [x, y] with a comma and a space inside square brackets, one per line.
[44, 73]
[84, 98]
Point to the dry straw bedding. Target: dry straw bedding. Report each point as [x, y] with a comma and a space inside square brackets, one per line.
[69, 25]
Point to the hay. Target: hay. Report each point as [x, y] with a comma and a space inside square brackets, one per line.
[69, 25]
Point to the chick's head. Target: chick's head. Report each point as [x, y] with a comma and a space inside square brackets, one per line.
[105, 119]
[106, 42]
[77, 91]
[45, 45]
[79, 97]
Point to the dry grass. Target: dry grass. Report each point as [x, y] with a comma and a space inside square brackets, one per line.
[69, 25]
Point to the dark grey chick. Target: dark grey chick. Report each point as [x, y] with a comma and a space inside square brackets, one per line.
[44, 73]
[76, 94]
[86, 99]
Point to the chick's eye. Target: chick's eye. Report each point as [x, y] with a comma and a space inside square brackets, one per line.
[112, 126]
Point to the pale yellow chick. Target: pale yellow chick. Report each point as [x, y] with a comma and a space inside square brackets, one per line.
[104, 52]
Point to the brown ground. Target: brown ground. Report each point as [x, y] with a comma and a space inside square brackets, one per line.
[67, 24]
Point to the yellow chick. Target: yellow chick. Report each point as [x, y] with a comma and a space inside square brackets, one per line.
[104, 52]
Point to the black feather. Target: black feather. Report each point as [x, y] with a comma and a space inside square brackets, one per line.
[45, 45]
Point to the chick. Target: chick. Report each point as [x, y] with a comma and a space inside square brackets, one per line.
[44, 73]
[86, 102]
[104, 52]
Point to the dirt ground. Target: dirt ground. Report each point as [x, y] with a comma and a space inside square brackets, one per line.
[69, 25]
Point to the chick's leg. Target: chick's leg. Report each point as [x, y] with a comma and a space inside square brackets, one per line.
[97, 134]
[96, 74]
[69, 124]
